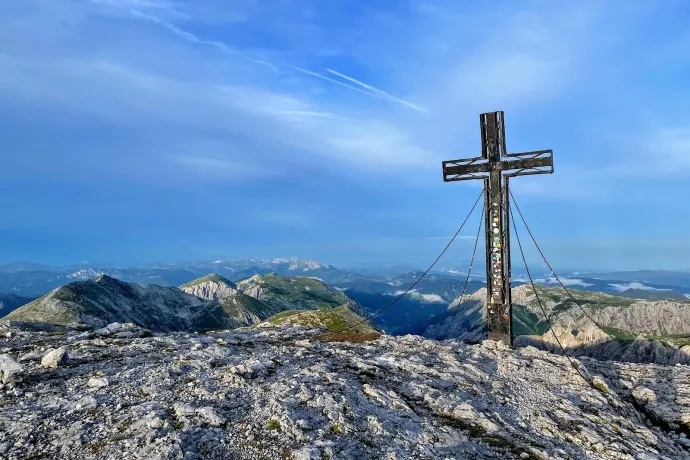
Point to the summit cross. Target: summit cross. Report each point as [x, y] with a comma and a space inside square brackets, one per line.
[495, 166]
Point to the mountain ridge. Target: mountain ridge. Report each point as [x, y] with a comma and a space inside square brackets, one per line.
[243, 309]
[103, 300]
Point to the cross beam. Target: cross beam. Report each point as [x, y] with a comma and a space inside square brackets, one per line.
[495, 166]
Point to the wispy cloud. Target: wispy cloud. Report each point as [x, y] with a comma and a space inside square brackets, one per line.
[159, 5]
[369, 90]
[192, 38]
[183, 34]
[566, 281]
[379, 92]
[635, 285]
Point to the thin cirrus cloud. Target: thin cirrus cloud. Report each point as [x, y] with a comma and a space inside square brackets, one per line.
[350, 140]
[360, 87]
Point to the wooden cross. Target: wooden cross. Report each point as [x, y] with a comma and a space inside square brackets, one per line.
[493, 165]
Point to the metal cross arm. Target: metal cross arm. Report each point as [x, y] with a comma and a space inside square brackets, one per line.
[527, 163]
[495, 167]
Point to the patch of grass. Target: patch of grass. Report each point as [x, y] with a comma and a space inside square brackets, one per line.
[348, 336]
[336, 428]
[618, 333]
[96, 446]
[586, 299]
[273, 424]
[600, 386]
[527, 323]
[178, 425]
[673, 340]
[333, 319]
[497, 441]
[367, 442]
[475, 431]
[122, 428]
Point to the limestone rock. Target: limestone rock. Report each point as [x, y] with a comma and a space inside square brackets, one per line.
[98, 382]
[273, 392]
[55, 358]
[10, 370]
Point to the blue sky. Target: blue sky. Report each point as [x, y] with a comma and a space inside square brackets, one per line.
[161, 130]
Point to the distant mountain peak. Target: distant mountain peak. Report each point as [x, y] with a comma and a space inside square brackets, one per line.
[210, 278]
[279, 260]
[306, 265]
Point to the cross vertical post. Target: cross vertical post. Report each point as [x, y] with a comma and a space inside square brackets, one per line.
[490, 167]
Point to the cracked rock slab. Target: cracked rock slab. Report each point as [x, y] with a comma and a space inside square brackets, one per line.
[280, 392]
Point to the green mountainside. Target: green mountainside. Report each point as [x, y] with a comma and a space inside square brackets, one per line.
[209, 302]
[294, 293]
[104, 300]
[241, 308]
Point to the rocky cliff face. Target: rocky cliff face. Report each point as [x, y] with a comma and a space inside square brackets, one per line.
[211, 287]
[657, 317]
[243, 309]
[283, 392]
[635, 330]
[636, 316]
[594, 343]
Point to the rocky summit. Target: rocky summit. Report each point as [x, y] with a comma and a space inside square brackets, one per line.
[122, 392]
